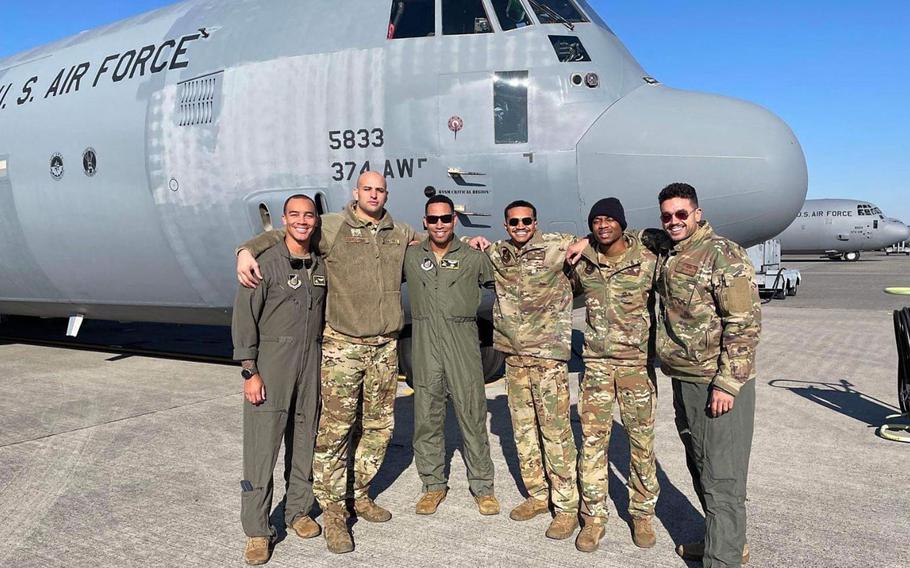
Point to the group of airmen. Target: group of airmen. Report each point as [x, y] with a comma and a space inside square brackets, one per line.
[316, 323]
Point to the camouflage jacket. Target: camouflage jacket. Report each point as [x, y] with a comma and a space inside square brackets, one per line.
[618, 295]
[710, 315]
[532, 315]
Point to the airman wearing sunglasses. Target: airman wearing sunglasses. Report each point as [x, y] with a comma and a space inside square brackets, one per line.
[532, 320]
[710, 321]
[616, 276]
[444, 278]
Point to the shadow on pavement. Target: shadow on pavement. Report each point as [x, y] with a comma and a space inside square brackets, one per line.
[840, 396]
[401, 450]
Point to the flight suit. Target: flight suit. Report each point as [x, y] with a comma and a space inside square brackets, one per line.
[618, 294]
[363, 263]
[532, 323]
[444, 297]
[710, 321]
[279, 325]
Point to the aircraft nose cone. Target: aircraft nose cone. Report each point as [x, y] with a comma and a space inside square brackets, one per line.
[896, 231]
[746, 164]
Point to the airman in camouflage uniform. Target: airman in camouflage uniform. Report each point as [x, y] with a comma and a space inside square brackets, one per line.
[616, 276]
[364, 249]
[710, 322]
[532, 325]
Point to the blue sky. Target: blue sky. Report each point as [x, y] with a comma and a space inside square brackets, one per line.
[837, 72]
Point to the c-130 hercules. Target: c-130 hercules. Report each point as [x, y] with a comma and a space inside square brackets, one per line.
[133, 158]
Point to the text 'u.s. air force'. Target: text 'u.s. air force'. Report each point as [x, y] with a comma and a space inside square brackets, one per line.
[147, 60]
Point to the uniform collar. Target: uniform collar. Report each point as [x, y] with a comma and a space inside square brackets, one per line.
[630, 254]
[535, 242]
[286, 252]
[456, 245]
[355, 221]
[702, 233]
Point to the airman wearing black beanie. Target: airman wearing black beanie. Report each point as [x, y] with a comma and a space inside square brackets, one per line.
[608, 207]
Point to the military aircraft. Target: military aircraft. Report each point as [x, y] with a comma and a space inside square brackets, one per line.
[134, 157]
[841, 229]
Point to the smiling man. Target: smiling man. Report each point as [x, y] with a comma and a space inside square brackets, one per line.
[532, 323]
[277, 329]
[364, 251]
[616, 276]
[444, 278]
[710, 321]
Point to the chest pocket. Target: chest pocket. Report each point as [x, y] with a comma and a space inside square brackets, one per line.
[630, 288]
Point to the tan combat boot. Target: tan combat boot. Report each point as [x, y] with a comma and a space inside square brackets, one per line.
[562, 526]
[337, 537]
[528, 509]
[696, 551]
[368, 510]
[487, 504]
[642, 532]
[258, 550]
[430, 501]
[305, 527]
[592, 531]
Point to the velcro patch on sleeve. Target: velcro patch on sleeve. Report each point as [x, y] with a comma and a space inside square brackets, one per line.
[737, 295]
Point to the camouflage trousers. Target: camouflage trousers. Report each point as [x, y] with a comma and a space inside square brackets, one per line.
[603, 383]
[538, 392]
[351, 371]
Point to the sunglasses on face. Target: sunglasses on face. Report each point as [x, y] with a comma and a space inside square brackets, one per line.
[526, 221]
[433, 219]
[682, 215]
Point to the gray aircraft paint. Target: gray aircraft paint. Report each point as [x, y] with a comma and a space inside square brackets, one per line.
[186, 155]
[835, 226]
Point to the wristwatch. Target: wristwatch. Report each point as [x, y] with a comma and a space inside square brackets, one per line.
[248, 374]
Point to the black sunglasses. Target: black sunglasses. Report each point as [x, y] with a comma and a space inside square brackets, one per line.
[433, 219]
[527, 221]
[298, 263]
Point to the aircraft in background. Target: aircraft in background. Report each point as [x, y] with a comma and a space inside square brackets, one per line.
[841, 229]
[134, 157]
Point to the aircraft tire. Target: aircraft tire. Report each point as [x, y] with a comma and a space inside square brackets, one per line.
[493, 360]
[851, 256]
[405, 349]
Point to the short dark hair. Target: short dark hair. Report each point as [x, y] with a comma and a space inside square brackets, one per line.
[438, 199]
[519, 203]
[284, 210]
[678, 189]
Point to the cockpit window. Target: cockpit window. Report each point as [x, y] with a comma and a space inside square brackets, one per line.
[866, 209]
[510, 107]
[412, 18]
[557, 11]
[511, 14]
[464, 17]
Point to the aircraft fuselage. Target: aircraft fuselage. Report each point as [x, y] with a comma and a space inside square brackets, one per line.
[134, 158]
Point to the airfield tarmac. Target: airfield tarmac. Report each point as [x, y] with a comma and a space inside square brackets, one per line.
[112, 459]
